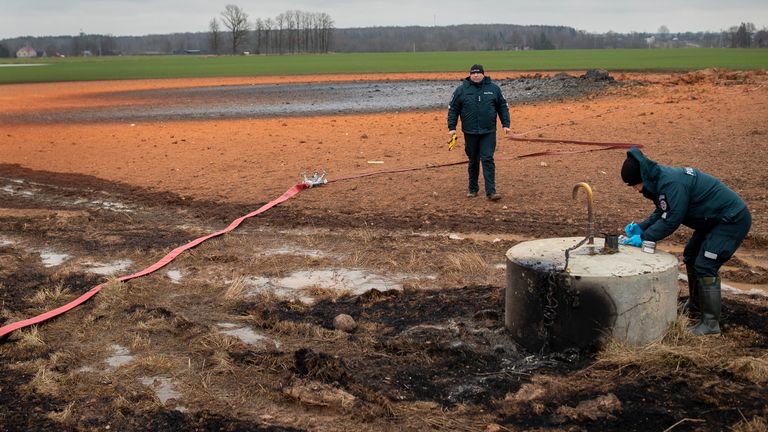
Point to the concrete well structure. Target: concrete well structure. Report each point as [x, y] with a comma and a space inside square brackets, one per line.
[630, 296]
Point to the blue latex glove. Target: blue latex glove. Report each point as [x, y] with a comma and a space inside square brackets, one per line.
[634, 240]
[633, 229]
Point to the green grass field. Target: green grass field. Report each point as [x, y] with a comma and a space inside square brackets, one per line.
[142, 67]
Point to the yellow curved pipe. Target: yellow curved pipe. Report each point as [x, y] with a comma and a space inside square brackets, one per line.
[590, 217]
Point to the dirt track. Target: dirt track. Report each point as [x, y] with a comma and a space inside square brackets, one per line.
[222, 339]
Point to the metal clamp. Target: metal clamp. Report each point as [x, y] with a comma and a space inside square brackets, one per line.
[317, 179]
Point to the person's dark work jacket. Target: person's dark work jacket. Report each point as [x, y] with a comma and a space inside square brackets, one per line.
[686, 196]
[478, 105]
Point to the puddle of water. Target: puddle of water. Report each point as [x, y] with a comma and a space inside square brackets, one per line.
[736, 287]
[174, 276]
[110, 268]
[163, 388]
[51, 258]
[120, 357]
[744, 288]
[755, 260]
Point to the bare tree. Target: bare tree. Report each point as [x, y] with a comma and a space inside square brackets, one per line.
[280, 23]
[236, 22]
[214, 38]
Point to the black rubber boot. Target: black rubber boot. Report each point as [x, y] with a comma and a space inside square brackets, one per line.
[709, 301]
[691, 306]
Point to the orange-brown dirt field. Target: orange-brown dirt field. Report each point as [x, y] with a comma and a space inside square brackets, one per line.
[203, 345]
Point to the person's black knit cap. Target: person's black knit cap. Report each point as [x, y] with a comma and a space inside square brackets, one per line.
[477, 68]
[630, 171]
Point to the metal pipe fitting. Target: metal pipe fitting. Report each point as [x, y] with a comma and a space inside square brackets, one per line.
[590, 216]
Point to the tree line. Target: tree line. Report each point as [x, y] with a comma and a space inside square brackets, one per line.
[291, 32]
[295, 32]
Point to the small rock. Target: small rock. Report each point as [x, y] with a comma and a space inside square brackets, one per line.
[345, 323]
[544, 164]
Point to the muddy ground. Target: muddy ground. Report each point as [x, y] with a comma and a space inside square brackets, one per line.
[99, 180]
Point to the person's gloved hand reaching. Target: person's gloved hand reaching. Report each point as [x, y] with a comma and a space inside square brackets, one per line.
[633, 229]
[634, 240]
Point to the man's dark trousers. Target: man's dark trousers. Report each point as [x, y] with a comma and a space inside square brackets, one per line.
[709, 248]
[480, 148]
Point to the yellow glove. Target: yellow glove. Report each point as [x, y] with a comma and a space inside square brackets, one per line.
[452, 142]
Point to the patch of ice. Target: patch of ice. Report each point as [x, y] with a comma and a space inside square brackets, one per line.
[120, 357]
[174, 276]
[293, 250]
[163, 388]
[352, 280]
[51, 258]
[110, 268]
[355, 281]
[112, 205]
[5, 242]
[246, 334]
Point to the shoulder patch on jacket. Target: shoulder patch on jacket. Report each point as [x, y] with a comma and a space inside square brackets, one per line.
[663, 205]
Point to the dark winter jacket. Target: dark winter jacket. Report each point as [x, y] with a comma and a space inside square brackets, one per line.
[684, 196]
[478, 105]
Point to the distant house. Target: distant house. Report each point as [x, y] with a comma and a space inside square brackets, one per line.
[26, 52]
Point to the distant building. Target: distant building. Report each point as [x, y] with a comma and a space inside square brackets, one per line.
[26, 52]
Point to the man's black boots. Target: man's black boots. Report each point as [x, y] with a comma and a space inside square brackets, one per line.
[709, 303]
[691, 306]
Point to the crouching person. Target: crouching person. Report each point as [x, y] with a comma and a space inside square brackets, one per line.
[718, 216]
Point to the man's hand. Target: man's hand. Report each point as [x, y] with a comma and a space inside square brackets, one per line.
[633, 229]
[506, 131]
[634, 240]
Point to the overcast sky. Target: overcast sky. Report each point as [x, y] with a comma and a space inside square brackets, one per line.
[141, 17]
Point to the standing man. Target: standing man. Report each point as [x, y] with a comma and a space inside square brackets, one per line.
[719, 218]
[478, 101]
